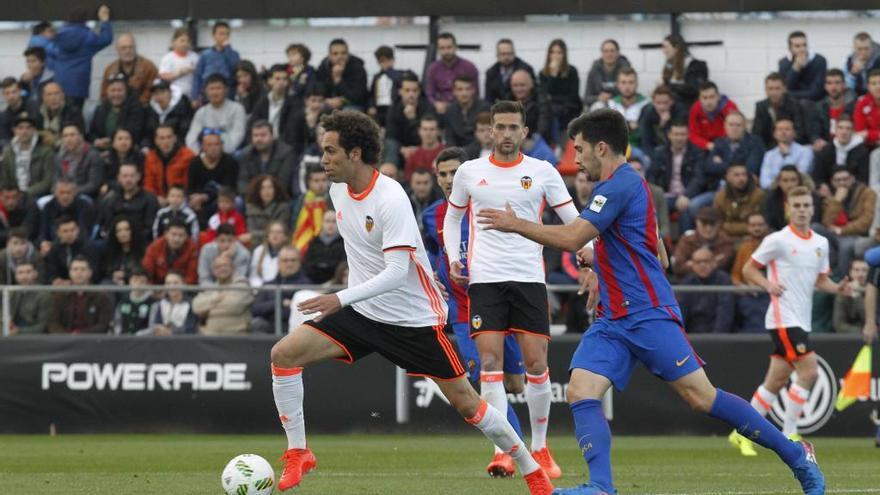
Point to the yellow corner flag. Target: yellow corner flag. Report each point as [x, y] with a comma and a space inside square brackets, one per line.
[857, 382]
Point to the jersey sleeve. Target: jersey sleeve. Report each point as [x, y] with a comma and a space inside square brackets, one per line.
[399, 227]
[555, 192]
[825, 265]
[459, 197]
[767, 251]
[607, 203]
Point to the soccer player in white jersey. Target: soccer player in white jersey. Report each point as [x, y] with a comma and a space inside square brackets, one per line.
[506, 271]
[797, 263]
[391, 305]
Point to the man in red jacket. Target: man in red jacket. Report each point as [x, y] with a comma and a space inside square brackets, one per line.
[173, 251]
[866, 116]
[706, 122]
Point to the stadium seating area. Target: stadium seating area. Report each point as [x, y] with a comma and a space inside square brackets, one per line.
[201, 169]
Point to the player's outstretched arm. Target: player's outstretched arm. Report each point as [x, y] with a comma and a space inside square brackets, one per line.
[825, 284]
[569, 237]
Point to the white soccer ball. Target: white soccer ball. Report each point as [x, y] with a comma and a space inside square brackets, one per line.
[248, 474]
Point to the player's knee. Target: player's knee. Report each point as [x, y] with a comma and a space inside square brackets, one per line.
[283, 355]
[490, 362]
[808, 376]
[576, 393]
[536, 365]
[698, 400]
[465, 401]
[514, 384]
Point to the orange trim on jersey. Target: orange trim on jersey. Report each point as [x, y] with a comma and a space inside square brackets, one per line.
[802, 236]
[761, 401]
[757, 263]
[398, 248]
[539, 379]
[529, 333]
[790, 355]
[430, 290]
[279, 371]
[472, 238]
[563, 204]
[455, 205]
[797, 400]
[363, 194]
[348, 360]
[491, 376]
[514, 163]
[437, 378]
[798, 358]
[481, 412]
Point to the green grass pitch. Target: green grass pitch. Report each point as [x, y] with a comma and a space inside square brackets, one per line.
[407, 465]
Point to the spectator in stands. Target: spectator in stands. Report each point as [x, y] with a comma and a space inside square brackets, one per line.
[176, 209]
[129, 201]
[42, 35]
[774, 209]
[76, 45]
[174, 251]
[167, 106]
[119, 109]
[37, 74]
[302, 76]
[178, 66]
[289, 272]
[483, 142]
[79, 161]
[18, 250]
[308, 210]
[682, 73]
[675, 167]
[706, 119]
[28, 311]
[657, 116]
[224, 312]
[264, 259]
[522, 86]
[385, 84]
[559, 86]
[27, 163]
[248, 87]
[803, 70]
[498, 76]
[212, 169]
[706, 312]
[431, 146]
[838, 100]
[867, 111]
[343, 77]
[737, 200]
[404, 118]
[602, 78]
[54, 112]
[846, 150]
[80, 312]
[227, 214]
[864, 58]
[267, 155]
[132, 315]
[849, 311]
[786, 152]
[64, 203]
[736, 146]
[461, 113]
[172, 315]
[278, 109]
[778, 105]
[123, 149]
[224, 245]
[422, 191]
[123, 253]
[756, 230]
[220, 115]
[326, 251]
[15, 211]
[707, 234]
[15, 106]
[266, 202]
[139, 71]
[220, 59]
[848, 214]
[442, 74]
[167, 163]
[629, 102]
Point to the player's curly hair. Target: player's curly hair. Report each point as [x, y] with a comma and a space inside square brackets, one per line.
[356, 130]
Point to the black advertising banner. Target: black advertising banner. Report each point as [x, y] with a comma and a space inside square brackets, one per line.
[223, 384]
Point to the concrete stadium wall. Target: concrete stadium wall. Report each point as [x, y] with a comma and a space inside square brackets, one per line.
[750, 49]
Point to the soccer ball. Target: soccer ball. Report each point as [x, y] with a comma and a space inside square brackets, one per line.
[248, 474]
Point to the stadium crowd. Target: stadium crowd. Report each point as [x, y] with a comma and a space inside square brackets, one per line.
[203, 169]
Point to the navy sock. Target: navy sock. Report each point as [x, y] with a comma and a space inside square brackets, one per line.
[513, 419]
[594, 439]
[749, 423]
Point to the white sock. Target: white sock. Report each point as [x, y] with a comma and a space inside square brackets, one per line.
[492, 391]
[287, 387]
[763, 400]
[538, 396]
[795, 399]
[494, 425]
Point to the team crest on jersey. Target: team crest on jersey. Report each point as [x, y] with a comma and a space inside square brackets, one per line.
[526, 182]
[476, 322]
[598, 203]
[801, 348]
[369, 223]
[819, 253]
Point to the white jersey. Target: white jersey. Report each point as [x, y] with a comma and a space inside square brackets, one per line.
[529, 185]
[796, 262]
[380, 219]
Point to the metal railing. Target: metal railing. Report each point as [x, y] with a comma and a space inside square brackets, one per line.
[278, 290]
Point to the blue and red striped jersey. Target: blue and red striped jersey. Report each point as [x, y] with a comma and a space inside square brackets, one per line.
[631, 278]
[432, 221]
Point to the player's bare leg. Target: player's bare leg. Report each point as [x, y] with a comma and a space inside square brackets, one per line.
[495, 426]
[539, 395]
[300, 348]
[490, 346]
[799, 392]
